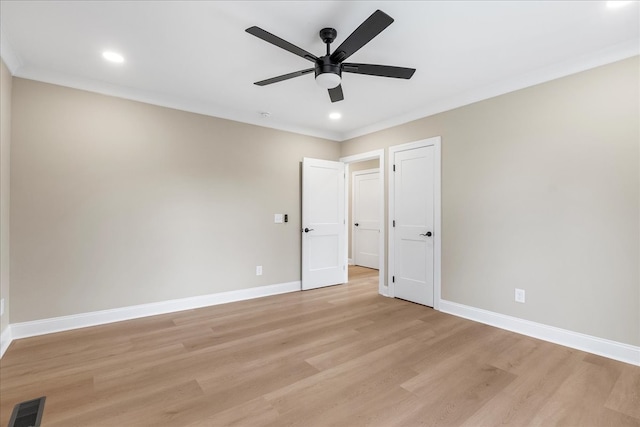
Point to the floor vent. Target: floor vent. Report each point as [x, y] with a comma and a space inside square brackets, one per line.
[27, 414]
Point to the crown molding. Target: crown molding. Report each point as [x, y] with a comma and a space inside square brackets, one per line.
[9, 56]
[564, 68]
[555, 71]
[165, 100]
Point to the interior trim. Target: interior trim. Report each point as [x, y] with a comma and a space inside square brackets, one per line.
[600, 346]
[561, 69]
[83, 320]
[5, 340]
[545, 74]
[370, 155]
[607, 348]
[11, 60]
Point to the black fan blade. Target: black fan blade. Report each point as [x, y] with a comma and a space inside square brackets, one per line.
[275, 40]
[336, 94]
[283, 77]
[379, 70]
[370, 28]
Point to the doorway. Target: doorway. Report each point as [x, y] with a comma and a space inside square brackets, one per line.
[350, 161]
[364, 215]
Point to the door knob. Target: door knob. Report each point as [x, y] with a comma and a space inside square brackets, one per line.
[356, 224]
[428, 234]
[306, 230]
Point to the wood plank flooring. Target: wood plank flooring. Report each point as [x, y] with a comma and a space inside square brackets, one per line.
[338, 356]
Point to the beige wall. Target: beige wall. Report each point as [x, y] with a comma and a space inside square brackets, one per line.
[354, 167]
[5, 148]
[540, 191]
[116, 203]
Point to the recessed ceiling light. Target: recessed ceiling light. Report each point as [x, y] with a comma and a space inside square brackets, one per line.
[113, 57]
[616, 4]
[335, 116]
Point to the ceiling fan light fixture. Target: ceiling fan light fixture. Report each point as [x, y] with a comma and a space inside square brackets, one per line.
[328, 80]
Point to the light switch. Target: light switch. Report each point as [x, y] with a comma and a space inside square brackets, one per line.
[278, 218]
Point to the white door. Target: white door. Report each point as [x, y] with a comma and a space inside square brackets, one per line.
[413, 194]
[366, 218]
[323, 223]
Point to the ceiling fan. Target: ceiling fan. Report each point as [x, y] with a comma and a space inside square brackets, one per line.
[329, 68]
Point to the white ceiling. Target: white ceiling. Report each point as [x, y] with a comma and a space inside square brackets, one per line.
[196, 56]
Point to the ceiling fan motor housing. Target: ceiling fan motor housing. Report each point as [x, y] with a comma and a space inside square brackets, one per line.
[328, 73]
[324, 64]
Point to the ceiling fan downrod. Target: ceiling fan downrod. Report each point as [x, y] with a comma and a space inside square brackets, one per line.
[328, 35]
[328, 73]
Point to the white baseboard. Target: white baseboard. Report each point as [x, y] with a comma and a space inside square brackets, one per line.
[350, 261]
[600, 346]
[5, 340]
[83, 320]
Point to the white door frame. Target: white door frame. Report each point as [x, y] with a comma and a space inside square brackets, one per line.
[352, 227]
[371, 155]
[437, 241]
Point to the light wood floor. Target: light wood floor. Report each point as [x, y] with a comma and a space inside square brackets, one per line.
[341, 356]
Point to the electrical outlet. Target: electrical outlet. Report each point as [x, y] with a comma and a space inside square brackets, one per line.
[520, 295]
[258, 270]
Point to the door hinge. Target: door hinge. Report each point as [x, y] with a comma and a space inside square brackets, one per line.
[394, 222]
[393, 279]
[394, 168]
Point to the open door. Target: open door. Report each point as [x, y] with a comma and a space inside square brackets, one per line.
[323, 223]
